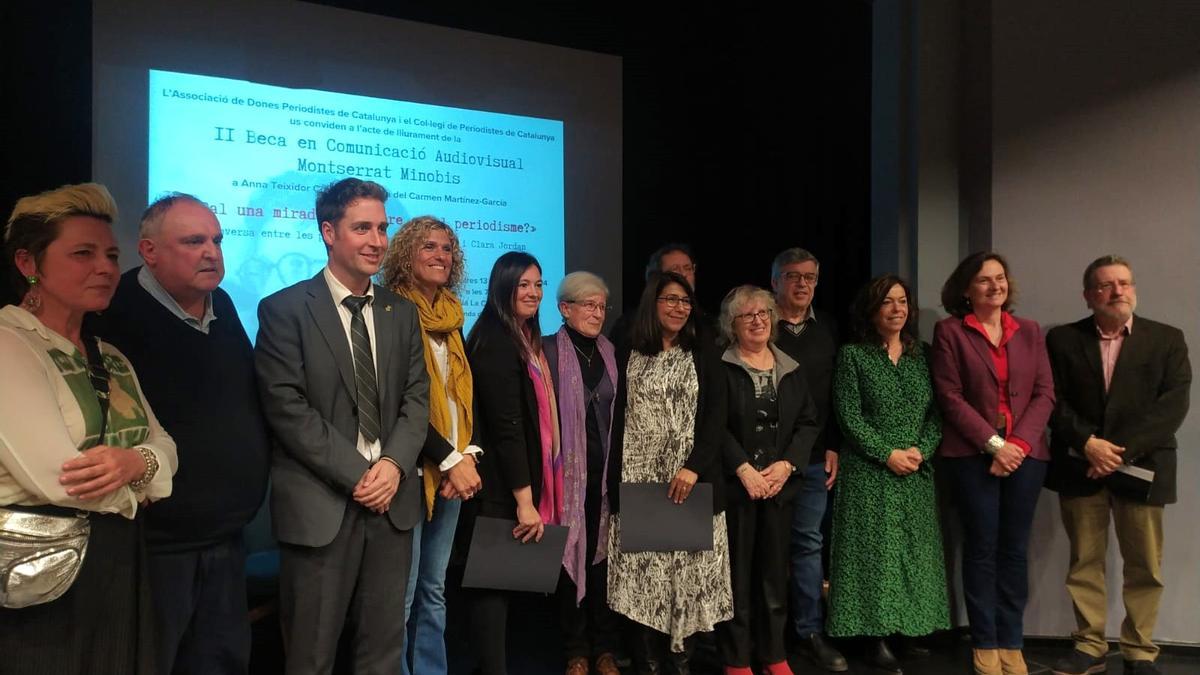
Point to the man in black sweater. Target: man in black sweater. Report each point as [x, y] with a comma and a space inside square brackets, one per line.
[811, 338]
[196, 366]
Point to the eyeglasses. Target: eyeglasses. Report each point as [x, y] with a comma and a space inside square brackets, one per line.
[763, 315]
[809, 278]
[674, 301]
[590, 307]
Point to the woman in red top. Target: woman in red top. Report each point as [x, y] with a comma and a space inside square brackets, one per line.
[992, 378]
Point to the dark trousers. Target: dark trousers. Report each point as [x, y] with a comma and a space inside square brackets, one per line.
[759, 552]
[102, 625]
[489, 629]
[997, 514]
[589, 628]
[356, 583]
[200, 611]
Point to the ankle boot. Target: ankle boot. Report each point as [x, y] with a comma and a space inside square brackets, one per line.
[1012, 662]
[645, 651]
[681, 662]
[879, 655]
[986, 661]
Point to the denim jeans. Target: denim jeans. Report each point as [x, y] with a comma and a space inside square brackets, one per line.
[808, 612]
[425, 601]
[997, 514]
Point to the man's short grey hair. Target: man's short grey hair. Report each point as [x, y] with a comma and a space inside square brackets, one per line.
[577, 285]
[791, 256]
[1103, 261]
[152, 217]
[735, 303]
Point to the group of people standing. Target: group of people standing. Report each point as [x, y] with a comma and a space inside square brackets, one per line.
[387, 431]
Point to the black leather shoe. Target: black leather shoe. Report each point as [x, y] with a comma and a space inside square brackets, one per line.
[823, 653]
[911, 648]
[1141, 668]
[1079, 663]
[880, 656]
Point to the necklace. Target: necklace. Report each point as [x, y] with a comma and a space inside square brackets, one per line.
[586, 357]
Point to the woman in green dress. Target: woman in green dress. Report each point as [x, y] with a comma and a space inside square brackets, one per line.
[887, 573]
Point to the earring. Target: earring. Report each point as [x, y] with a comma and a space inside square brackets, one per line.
[32, 302]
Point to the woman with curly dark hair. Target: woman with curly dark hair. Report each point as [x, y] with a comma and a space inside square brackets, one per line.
[887, 573]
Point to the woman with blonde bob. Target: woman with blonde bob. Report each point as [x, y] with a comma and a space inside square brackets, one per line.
[76, 436]
[424, 263]
[772, 424]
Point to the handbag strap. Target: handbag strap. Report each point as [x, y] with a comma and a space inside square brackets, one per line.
[98, 375]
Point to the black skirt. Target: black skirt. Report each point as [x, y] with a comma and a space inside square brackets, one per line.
[103, 625]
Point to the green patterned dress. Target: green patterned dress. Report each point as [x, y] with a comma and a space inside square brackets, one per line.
[887, 571]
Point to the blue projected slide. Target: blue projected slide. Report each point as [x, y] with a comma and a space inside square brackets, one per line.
[256, 153]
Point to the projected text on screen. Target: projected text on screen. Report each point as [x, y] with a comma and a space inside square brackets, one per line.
[257, 153]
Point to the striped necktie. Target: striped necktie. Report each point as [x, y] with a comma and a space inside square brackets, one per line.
[365, 384]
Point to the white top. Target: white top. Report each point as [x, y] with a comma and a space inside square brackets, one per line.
[371, 451]
[42, 426]
[441, 356]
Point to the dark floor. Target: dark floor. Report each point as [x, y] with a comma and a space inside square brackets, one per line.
[534, 647]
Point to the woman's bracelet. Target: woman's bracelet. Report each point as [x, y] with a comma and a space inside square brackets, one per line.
[151, 461]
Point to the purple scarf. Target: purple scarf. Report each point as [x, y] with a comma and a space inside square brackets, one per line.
[572, 416]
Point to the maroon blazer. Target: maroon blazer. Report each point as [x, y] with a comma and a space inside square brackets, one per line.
[964, 379]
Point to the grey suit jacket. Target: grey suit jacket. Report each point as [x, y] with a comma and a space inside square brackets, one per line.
[306, 379]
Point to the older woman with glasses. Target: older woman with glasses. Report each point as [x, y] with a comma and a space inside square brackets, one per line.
[769, 434]
[584, 369]
[668, 427]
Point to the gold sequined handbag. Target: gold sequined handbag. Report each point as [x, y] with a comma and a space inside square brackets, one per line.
[40, 553]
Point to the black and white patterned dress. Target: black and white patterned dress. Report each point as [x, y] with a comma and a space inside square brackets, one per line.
[677, 592]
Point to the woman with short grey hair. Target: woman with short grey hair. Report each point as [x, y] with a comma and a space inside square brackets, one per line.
[771, 426]
[583, 367]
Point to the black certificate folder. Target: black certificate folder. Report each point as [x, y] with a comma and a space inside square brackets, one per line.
[650, 521]
[497, 560]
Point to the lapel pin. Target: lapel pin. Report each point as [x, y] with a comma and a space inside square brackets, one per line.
[387, 308]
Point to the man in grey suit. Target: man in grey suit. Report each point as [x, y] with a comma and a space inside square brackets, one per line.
[341, 370]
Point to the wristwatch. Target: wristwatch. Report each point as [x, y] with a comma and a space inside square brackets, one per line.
[994, 444]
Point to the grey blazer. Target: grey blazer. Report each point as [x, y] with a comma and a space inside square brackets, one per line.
[306, 380]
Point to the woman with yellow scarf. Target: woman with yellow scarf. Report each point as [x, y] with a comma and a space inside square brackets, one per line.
[424, 264]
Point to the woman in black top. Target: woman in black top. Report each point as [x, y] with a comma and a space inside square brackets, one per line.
[771, 427]
[505, 353]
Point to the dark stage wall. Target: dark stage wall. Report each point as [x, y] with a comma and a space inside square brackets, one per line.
[745, 132]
